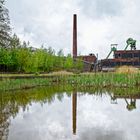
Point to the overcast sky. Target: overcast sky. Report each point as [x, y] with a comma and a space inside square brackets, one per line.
[100, 23]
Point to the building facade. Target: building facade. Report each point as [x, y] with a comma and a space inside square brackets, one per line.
[121, 58]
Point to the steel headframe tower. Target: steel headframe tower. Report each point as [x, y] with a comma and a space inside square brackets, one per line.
[74, 36]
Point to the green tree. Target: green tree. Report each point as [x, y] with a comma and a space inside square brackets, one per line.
[23, 57]
[78, 64]
[68, 65]
[15, 44]
[59, 61]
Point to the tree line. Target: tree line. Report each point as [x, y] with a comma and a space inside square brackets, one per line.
[21, 57]
[17, 56]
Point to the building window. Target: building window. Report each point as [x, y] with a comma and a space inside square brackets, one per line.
[119, 55]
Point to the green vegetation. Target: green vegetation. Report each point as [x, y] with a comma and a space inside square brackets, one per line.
[104, 80]
[101, 80]
[21, 57]
[13, 84]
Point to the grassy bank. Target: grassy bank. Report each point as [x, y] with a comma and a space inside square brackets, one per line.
[105, 79]
[31, 75]
[79, 80]
[13, 84]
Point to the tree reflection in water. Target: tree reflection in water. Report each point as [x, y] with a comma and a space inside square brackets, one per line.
[4, 119]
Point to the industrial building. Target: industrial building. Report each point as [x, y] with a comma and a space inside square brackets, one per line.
[120, 57]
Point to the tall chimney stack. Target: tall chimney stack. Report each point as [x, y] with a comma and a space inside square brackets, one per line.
[74, 36]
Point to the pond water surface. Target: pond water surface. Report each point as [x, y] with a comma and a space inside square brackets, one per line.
[69, 114]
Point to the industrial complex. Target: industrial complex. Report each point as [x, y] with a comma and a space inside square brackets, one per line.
[127, 57]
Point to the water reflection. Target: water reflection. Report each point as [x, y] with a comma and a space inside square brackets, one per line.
[74, 110]
[129, 99]
[18, 109]
[132, 105]
[4, 122]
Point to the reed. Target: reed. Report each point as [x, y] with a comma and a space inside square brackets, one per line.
[104, 79]
[13, 84]
[77, 80]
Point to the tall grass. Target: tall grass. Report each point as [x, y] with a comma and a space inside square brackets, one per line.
[99, 80]
[12, 84]
[104, 79]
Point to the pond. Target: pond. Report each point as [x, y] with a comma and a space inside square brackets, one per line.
[68, 113]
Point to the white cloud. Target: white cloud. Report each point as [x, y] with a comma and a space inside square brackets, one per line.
[100, 23]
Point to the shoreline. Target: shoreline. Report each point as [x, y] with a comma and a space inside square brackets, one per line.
[102, 80]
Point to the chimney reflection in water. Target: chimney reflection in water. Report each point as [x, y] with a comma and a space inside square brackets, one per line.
[74, 111]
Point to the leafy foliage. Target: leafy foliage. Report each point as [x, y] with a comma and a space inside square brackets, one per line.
[21, 57]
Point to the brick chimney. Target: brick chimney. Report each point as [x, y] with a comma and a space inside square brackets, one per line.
[74, 36]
